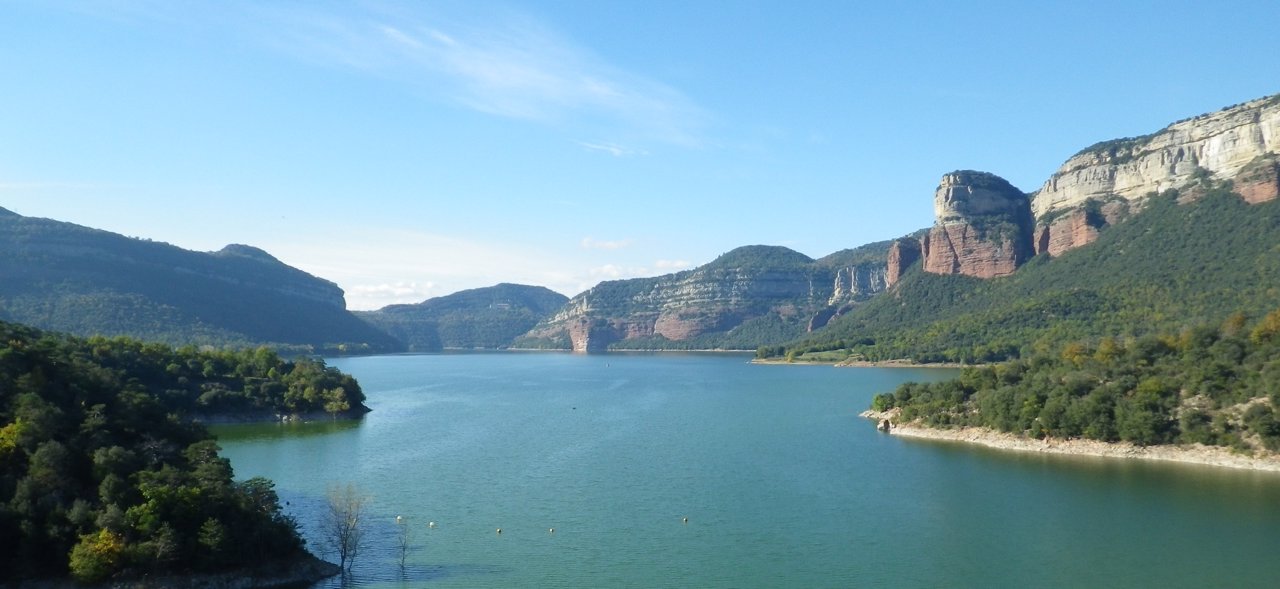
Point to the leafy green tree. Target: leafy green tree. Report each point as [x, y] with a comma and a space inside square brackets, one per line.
[1210, 384]
[97, 556]
[103, 472]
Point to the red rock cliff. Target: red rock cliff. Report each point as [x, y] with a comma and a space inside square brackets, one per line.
[982, 227]
[902, 254]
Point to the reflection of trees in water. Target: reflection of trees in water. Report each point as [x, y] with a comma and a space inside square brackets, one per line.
[241, 432]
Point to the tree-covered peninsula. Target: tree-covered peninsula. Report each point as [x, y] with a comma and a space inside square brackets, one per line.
[105, 474]
[1212, 385]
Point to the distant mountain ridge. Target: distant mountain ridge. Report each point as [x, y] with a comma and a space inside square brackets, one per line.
[65, 277]
[960, 288]
[1159, 232]
[747, 297]
[984, 228]
[479, 318]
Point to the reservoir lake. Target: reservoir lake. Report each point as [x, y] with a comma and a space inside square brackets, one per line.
[782, 483]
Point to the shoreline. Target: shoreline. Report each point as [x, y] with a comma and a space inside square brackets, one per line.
[1197, 454]
[273, 417]
[302, 571]
[861, 363]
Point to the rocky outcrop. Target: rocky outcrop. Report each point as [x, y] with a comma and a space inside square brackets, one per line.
[587, 335]
[1077, 227]
[852, 282]
[1259, 181]
[902, 254]
[1223, 143]
[780, 288]
[982, 227]
[1068, 231]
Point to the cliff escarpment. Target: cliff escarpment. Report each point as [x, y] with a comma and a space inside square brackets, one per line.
[1222, 143]
[1168, 230]
[751, 296]
[986, 228]
[982, 227]
[1106, 182]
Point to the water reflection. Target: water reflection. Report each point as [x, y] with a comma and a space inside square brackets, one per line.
[275, 430]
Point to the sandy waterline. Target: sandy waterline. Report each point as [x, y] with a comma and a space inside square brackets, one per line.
[1185, 453]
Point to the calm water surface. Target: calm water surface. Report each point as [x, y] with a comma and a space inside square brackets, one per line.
[782, 484]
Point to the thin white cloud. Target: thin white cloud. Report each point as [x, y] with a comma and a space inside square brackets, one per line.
[612, 149]
[378, 267]
[621, 272]
[609, 271]
[590, 243]
[391, 293]
[672, 265]
[509, 65]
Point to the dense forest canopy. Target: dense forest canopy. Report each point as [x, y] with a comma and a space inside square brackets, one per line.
[1214, 385]
[103, 471]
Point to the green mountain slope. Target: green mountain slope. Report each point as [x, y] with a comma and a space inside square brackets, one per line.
[78, 280]
[1170, 266]
[488, 318]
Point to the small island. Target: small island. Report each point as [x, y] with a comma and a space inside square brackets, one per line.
[1205, 395]
[107, 474]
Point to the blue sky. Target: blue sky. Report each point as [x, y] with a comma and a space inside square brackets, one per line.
[411, 149]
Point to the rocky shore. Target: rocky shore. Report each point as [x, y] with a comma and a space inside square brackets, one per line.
[1185, 453]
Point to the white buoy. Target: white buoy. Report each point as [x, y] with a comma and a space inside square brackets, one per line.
[499, 530]
[686, 520]
[398, 519]
[431, 524]
[551, 531]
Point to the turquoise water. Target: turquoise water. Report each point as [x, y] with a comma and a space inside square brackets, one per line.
[782, 484]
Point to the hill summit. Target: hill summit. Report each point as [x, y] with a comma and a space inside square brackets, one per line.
[65, 277]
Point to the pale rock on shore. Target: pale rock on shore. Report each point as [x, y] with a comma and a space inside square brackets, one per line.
[1185, 453]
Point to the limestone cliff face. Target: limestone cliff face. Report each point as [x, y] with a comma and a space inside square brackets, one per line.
[982, 227]
[682, 306]
[852, 282]
[771, 284]
[1223, 143]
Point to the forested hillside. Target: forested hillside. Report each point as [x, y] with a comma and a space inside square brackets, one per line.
[1170, 266]
[74, 279]
[1214, 385]
[103, 471]
[486, 318]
